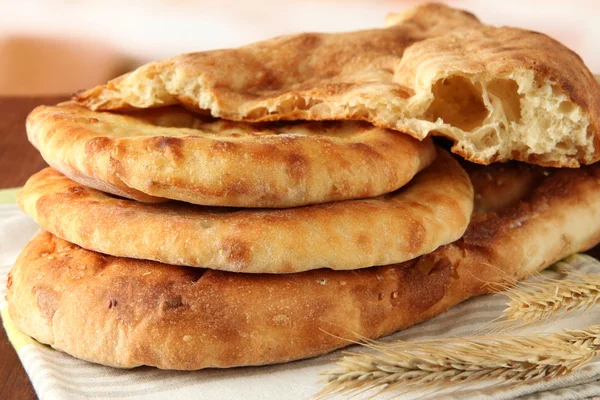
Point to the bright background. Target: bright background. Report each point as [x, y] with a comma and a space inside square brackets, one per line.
[59, 46]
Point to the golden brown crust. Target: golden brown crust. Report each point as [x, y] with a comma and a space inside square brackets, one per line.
[145, 313]
[170, 153]
[432, 210]
[125, 313]
[514, 94]
[306, 63]
[499, 185]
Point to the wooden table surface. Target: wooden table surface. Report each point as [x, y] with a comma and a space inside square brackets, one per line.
[18, 160]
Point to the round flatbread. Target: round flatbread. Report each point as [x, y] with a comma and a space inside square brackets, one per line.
[169, 153]
[434, 209]
[499, 93]
[125, 313]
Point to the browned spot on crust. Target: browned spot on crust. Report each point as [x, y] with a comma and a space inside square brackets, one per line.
[74, 190]
[97, 145]
[363, 242]
[100, 262]
[236, 252]
[47, 301]
[171, 147]
[425, 264]
[417, 205]
[287, 267]
[224, 146]
[119, 172]
[296, 166]
[172, 303]
[268, 80]
[306, 41]
[238, 187]
[416, 237]
[367, 150]
[367, 297]
[418, 291]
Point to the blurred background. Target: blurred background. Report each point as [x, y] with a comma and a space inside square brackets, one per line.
[60, 46]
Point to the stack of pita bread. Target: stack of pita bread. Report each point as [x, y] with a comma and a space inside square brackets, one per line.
[251, 206]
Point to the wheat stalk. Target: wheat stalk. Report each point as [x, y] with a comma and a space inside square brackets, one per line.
[448, 363]
[536, 302]
[541, 302]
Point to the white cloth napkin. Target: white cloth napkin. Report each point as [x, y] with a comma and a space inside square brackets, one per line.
[56, 375]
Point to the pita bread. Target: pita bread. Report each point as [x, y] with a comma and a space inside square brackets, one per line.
[153, 155]
[125, 312]
[498, 93]
[432, 210]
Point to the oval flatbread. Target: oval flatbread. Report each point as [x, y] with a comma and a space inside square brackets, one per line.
[432, 210]
[169, 153]
[498, 93]
[124, 312]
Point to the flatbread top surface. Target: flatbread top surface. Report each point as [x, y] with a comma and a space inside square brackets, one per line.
[169, 153]
[499, 93]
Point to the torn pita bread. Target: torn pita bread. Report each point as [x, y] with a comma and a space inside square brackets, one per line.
[125, 313]
[499, 93]
[169, 153]
[432, 210]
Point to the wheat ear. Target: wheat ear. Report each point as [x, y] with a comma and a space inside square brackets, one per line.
[535, 302]
[448, 363]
